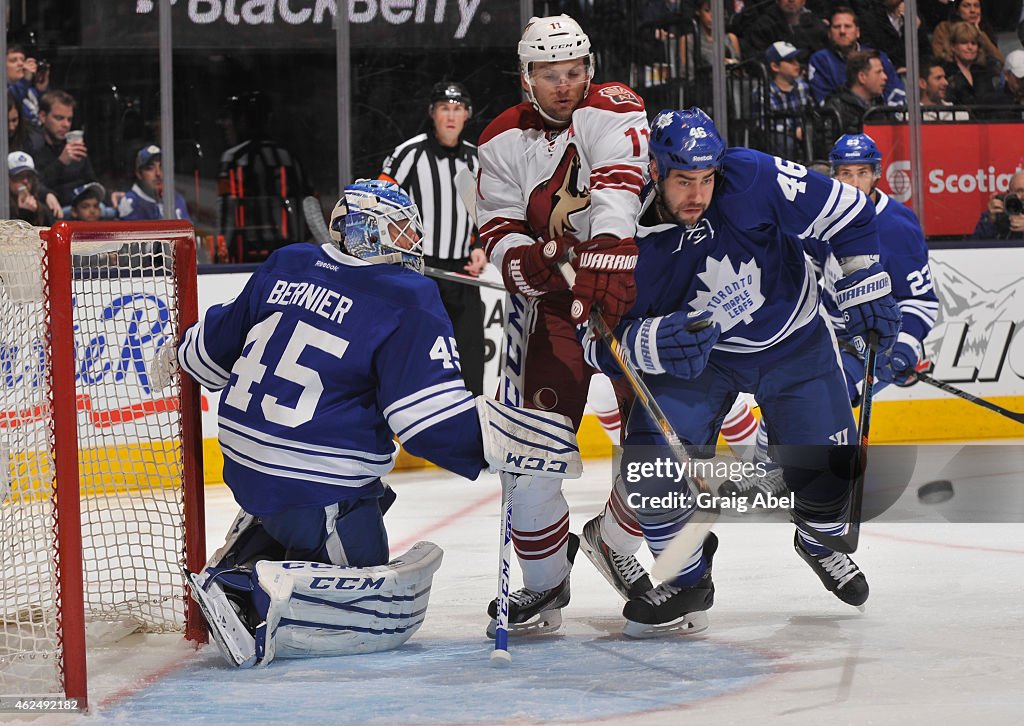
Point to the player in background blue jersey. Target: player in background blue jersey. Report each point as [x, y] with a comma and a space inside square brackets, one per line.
[327, 354]
[720, 237]
[856, 160]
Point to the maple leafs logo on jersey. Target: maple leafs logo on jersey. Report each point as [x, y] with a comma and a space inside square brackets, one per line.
[619, 95]
[553, 202]
[733, 295]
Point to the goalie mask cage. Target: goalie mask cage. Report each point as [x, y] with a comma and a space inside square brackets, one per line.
[100, 475]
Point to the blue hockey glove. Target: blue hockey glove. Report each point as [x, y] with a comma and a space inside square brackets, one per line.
[865, 299]
[898, 365]
[678, 344]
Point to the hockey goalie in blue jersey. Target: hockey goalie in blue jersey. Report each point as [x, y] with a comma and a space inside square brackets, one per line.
[720, 237]
[326, 355]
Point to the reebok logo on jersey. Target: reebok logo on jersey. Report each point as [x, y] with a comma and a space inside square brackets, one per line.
[328, 265]
[606, 261]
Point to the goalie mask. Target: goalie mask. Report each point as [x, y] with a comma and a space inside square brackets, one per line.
[376, 221]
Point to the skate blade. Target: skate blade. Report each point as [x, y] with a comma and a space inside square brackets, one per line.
[236, 645]
[546, 621]
[597, 560]
[689, 624]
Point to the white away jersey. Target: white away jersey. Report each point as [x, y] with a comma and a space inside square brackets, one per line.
[585, 180]
[322, 358]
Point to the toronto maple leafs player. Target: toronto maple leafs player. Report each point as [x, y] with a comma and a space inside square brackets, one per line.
[856, 160]
[326, 355]
[720, 239]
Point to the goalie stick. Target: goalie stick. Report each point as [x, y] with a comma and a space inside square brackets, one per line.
[500, 655]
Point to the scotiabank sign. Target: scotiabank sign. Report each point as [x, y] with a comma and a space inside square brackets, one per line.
[964, 163]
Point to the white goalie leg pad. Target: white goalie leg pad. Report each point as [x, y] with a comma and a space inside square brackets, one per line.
[243, 521]
[234, 641]
[525, 441]
[320, 610]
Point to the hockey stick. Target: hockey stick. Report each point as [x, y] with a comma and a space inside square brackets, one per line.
[500, 655]
[953, 390]
[847, 542]
[696, 528]
[462, 279]
[465, 187]
[315, 220]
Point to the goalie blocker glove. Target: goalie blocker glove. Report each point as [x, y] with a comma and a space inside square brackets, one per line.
[678, 344]
[604, 277]
[864, 296]
[532, 269]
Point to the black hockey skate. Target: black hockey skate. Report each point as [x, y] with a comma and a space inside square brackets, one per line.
[838, 573]
[670, 609]
[623, 572]
[536, 612]
[747, 487]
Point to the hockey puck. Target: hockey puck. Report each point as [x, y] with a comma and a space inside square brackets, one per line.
[935, 492]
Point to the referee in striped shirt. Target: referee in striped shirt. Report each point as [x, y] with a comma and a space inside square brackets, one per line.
[425, 167]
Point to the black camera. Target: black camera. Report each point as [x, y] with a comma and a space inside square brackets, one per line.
[1013, 204]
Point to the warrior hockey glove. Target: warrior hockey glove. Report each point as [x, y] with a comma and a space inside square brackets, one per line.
[604, 277]
[532, 270]
[865, 299]
[678, 344]
[899, 364]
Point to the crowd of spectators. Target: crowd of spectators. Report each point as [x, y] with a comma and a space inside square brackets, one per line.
[801, 72]
[852, 56]
[51, 176]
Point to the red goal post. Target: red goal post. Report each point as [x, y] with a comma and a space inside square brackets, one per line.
[101, 500]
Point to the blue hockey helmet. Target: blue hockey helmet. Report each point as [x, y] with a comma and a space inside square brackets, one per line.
[855, 149]
[376, 221]
[686, 140]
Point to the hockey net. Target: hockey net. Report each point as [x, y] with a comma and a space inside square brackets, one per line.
[100, 474]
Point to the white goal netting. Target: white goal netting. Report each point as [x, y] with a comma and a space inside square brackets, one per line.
[129, 449]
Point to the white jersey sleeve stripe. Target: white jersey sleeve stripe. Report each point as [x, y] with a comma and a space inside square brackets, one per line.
[437, 416]
[194, 358]
[928, 312]
[840, 199]
[419, 396]
[841, 224]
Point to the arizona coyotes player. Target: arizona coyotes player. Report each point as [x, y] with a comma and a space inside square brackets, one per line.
[561, 175]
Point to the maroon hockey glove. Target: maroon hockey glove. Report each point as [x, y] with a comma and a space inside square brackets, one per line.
[604, 277]
[532, 270]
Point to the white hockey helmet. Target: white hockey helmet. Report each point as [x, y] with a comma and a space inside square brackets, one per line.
[549, 40]
[374, 220]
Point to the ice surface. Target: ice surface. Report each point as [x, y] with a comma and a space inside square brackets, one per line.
[941, 640]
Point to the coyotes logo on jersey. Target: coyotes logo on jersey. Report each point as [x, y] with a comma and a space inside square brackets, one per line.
[555, 200]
